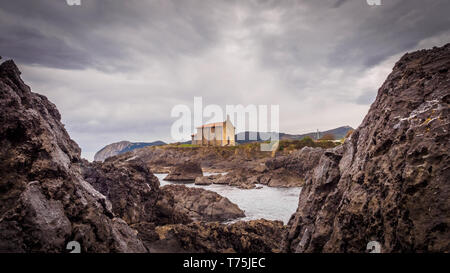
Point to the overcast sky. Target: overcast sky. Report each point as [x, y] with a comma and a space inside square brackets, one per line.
[115, 69]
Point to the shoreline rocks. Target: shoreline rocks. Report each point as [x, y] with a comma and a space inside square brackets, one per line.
[203, 205]
[204, 180]
[187, 171]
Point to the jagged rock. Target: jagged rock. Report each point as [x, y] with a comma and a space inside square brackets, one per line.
[257, 236]
[389, 182]
[291, 170]
[133, 191]
[283, 178]
[203, 205]
[187, 171]
[298, 162]
[44, 201]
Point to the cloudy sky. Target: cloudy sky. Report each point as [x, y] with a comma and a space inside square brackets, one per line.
[115, 69]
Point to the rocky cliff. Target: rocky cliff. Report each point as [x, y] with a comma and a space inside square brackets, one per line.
[44, 201]
[390, 181]
[122, 147]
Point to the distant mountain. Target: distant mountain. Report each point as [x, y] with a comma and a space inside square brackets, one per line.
[122, 147]
[245, 137]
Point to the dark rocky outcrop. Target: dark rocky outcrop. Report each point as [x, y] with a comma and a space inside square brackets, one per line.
[203, 205]
[133, 191]
[44, 201]
[281, 178]
[389, 182]
[257, 236]
[298, 162]
[291, 170]
[187, 171]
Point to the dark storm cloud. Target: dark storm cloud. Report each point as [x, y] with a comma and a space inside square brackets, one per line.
[394, 27]
[33, 47]
[352, 34]
[115, 69]
[102, 34]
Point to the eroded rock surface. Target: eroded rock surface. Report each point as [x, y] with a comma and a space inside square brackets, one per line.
[133, 191]
[186, 171]
[389, 182]
[203, 205]
[44, 201]
[258, 236]
[300, 162]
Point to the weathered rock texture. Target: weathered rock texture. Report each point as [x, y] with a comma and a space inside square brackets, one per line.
[44, 201]
[258, 236]
[133, 191]
[203, 205]
[300, 162]
[186, 171]
[390, 181]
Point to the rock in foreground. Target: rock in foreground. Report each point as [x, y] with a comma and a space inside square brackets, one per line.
[258, 236]
[133, 191]
[389, 182]
[44, 201]
[203, 205]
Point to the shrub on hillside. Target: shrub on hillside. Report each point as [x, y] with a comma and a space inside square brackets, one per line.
[328, 137]
[289, 145]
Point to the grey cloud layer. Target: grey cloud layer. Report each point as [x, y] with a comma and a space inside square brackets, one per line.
[101, 34]
[116, 68]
